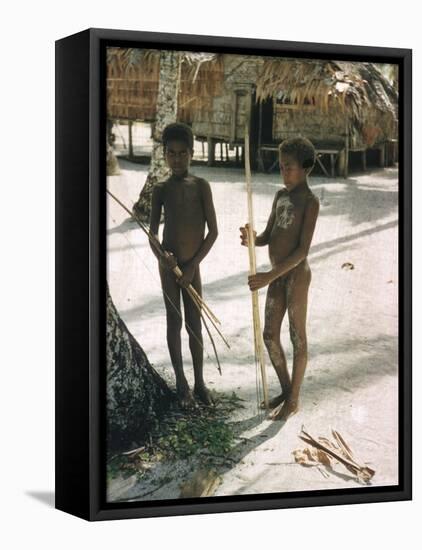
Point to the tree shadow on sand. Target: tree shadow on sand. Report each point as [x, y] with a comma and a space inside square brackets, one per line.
[377, 358]
[358, 203]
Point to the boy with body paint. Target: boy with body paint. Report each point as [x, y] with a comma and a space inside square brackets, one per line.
[288, 234]
[188, 206]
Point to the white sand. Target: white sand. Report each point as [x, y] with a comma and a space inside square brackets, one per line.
[351, 379]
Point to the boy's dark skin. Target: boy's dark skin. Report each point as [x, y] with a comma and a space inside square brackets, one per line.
[188, 205]
[288, 235]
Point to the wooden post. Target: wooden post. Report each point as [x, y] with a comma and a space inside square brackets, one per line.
[382, 155]
[340, 162]
[332, 162]
[130, 140]
[346, 151]
[211, 151]
[233, 119]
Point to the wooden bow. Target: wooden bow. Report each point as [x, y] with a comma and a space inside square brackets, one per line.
[258, 341]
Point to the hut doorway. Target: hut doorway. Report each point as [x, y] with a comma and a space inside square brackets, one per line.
[265, 117]
[262, 113]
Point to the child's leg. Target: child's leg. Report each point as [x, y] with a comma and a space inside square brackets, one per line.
[297, 286]
[193, 327]
[275, 308]
[171, 294]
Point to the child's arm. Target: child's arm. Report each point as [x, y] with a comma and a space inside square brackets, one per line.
[212, 234]
[298, 255]
[264, 238]
[168, 260]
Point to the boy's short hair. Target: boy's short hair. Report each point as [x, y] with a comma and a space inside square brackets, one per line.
[178, 131]
[301, 149]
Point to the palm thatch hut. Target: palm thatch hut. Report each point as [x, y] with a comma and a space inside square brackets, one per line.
[342, 107]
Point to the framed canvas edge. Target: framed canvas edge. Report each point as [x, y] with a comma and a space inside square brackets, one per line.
[98, 510]
[72, 370]
[224, 43]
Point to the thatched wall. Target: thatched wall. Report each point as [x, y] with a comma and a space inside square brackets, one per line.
[227, 116]
[289, 120]
[218, 122]
[374, 127]
[132, 83]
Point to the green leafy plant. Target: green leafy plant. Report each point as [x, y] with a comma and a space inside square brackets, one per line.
[205, 433]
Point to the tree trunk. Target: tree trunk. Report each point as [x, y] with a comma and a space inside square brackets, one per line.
[137, 396]
[166, 113]
[113, 168]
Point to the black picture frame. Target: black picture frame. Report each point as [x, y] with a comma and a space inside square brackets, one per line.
[81, 272]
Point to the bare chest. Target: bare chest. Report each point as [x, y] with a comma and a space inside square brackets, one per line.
[185, 199]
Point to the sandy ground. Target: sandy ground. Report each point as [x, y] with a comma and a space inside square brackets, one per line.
[351, 379]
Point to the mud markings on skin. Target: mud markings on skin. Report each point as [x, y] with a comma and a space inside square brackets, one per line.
[284, 212]
[274, 352]
[269, 307]
[270, 341]
[297, 341]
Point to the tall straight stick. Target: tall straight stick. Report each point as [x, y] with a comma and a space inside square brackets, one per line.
[258, 342]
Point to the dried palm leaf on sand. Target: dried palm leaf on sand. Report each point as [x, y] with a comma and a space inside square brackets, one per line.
[326, 452]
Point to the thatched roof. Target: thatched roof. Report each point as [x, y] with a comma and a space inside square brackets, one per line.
[132, 83]
[357, 92]
[327, 84]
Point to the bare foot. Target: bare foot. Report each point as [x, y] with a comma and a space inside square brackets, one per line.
[186, 399]
[204, 395]
[275, 401]
[285, 410]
